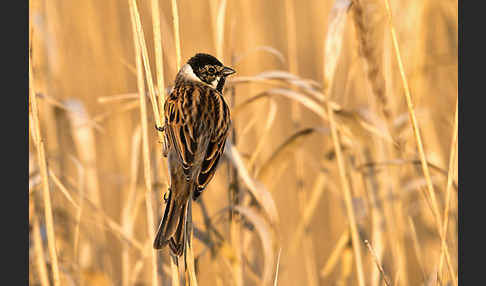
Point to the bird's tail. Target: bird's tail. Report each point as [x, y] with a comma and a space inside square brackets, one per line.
[172, 228]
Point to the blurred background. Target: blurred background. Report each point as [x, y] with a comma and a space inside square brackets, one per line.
[292, 201]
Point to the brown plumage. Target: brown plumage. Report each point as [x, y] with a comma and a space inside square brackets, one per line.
[197, 122]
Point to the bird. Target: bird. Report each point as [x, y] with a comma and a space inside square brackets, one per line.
[196, 124]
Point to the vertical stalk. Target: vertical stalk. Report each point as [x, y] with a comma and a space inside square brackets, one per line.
[145, 144]
[418, 138]
[177, 39]
[234, 200]
[220, 30]
[368, 33]
[127, 218]
[41, 157]
[332, 50]
[159, 59]
[452, 163]
[347, 196]
[140, 39]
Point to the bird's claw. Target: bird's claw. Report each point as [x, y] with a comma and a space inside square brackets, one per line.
[166, 199]
[161, 129]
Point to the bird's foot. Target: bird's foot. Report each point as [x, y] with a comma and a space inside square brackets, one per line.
[166, 199]
[161, 129]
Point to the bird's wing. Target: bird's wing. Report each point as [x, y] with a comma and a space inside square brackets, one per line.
[215, 147]
[179, 131]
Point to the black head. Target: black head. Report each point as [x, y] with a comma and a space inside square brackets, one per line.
[208, 69]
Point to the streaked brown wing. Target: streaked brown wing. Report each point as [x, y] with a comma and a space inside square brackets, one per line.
[216, 145]
[210, 163]
[179, 131]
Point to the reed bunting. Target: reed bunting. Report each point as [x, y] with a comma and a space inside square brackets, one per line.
[197, 122]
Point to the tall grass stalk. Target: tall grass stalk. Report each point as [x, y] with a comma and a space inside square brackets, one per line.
[145, 139]
[418, 138]
[450, 174]
[140, 39]
[332, 49]
[127, 219]
[369, 34]
[177, 37]
[159, 59]
[220, 24]
[41, 159]
[347, 198]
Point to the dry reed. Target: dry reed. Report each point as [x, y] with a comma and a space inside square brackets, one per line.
[41, 159]
[177, 37]
[418, 138]
[138, 40]
[332, 52]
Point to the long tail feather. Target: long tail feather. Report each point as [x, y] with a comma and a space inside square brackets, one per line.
[166, 227]
[172, 227]
[177, 241]
[172, 224]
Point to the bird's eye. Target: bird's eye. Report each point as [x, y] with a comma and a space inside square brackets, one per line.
[211, 70]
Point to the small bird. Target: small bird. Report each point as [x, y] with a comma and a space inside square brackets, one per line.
[197, 123]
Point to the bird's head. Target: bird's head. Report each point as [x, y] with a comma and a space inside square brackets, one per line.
[207, 69]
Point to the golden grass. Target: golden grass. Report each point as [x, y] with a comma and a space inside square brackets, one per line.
[159, 59]
[341, 168]
[41, 159]
[420, 147]
[332, 53]
[177, 37]
[347, 197]
[140, 53]
[450, 173]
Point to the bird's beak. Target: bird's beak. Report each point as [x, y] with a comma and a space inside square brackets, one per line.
[228, 71]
